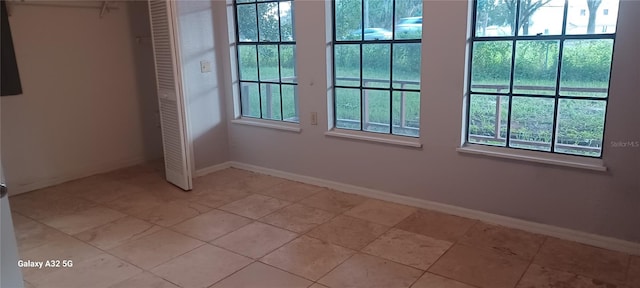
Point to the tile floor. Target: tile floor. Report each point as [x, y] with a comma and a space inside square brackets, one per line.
[129, 228]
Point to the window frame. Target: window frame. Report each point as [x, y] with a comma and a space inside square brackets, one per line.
[257, 45]
[514, 39]
[391, 89]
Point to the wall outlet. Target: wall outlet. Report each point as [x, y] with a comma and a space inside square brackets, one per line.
[314, 118]
[205, 66]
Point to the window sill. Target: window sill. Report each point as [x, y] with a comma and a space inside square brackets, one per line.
[277, 125]
[374, 137]
[594, 164]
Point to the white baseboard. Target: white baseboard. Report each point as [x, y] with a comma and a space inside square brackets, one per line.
[15, 189]
[211, 169]
[544, 229]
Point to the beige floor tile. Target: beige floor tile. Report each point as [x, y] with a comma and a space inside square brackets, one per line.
[381, 212]
[144, 279]
[31, 234]
[106, 191]
[51, 193]
[99, 271]
[28, 285]
[348, 232]
[154, 249]
[542, 277]
[261, 275]
[211, 225]
[215, 198]
[83, 220]
[597, 263]
[298, 218]
[308, 257]
[367, 271]
[333, 201]
[257, 182]
[255, 240]
[317, 285]
[429, 280]
[65, 248]
[151, 167]
[408, 248]
[243, 181]
[222, 176]
[144, 179]
[480, 267]
[502, 239]
[633, 276]
[436, 225]
[172, 212]
[118, 232]
[133, 203]
[166, 191]
[291, 191]
[201, 267]
[41, 208]
[255, 206]
[236, 186]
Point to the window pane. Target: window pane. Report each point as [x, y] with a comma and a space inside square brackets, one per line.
[270, 94]
[491, 66]
[290, 103]
[245, 1]
[408, 19]
[347, 64]
[268, 22]
[268, 57]
[250, 99]
[580, 127]
[288, 63]
[286, 21]
[248, 62]
[582, 75]
[488, 119]
[376, 61]
[541, 17]
[531, 123]
[378, 19]
[348, 14]
[247, 25]
[377, 111]
[589, 17]
[495, 18]
[348, 108]
[406, 113]
[536, 67]
[407, 59]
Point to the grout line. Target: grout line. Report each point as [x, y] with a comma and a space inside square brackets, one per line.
[627, 276]
[336, 267]
[531, 261]
[453, 244]
[234, 272]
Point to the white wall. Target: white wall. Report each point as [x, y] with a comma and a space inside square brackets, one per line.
[89, 95]
[205, 106]
[601, 203]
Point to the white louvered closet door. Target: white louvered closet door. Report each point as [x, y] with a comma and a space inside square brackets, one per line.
[170, 99]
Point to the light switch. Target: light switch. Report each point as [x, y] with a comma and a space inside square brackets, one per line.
[205, 66]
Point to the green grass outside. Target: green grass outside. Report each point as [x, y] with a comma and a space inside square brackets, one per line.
[580, 122]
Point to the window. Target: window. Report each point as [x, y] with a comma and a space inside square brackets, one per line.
[583, 12]
[605, 12]
[376, 65]
[266, 53]
[544, 91]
